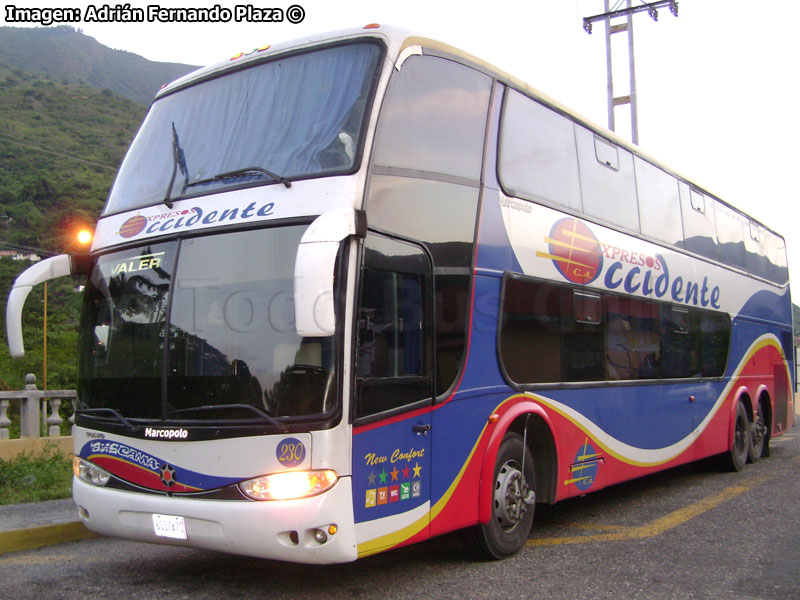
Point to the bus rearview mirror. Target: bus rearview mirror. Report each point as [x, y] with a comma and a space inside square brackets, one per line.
[315, 269]
[51, 268]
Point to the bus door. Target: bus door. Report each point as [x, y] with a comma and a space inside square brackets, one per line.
[393, 397]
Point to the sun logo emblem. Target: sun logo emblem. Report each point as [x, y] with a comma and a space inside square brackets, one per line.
[168, 475]
[133, 226]
[574, 250]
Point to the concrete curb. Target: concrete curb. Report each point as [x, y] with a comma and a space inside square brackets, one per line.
[17, 540]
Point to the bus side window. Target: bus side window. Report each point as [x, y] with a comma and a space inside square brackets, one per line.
[393, 357]
[425, 182]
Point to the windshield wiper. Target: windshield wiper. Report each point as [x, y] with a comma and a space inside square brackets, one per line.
[111, 411]
[178, 161]
[260, 412]
[240, 173]
[248, 170]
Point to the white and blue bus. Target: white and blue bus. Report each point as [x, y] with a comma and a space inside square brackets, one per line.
[356, 291]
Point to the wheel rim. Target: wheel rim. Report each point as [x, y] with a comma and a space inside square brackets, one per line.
[759, 429]
[510, 496]
[740, 435]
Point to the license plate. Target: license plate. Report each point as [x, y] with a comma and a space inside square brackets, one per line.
[170, 526]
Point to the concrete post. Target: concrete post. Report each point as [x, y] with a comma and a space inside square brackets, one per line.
[29, 410]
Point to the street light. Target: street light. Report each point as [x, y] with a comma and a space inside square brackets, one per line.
[82, 238]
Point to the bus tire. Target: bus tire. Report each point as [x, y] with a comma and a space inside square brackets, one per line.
[736, 458]
[513, 503]
[758, 438]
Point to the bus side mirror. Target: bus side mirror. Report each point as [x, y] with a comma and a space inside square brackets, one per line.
[314, 269]
[51, 268]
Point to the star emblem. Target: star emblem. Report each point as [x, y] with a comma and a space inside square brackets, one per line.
[406, 470]
[394, 473]
[382, 476]
[417, 470]
[371, 478]
[168, 475]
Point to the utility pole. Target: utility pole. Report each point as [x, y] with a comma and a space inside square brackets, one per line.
[626, 27]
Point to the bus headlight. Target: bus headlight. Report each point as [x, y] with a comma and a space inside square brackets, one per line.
[89, 472]
[289, 485]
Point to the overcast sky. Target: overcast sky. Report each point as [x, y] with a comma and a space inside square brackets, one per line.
[717, 85]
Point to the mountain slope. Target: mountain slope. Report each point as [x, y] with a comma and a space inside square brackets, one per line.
[65, 55]
[60, 146]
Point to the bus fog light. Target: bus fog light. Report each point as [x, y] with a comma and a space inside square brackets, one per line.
[89, 472]
[320, 536]
[289, 485]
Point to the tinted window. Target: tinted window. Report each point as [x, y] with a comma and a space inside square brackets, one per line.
[537, 153]
[434, 118]
[730, 235]
[659, 203]
[530, 334]
[123, 325]
[232, 331]
[297, 116]
[393, 363]
[431, 128]
[633, 339]
[551, 333]
[699, 225]
[609, 190]
[224, 326]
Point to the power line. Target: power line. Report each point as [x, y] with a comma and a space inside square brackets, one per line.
[27, 249]
[11, 140]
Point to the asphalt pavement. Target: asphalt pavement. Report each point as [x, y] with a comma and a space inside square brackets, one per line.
[36, 524]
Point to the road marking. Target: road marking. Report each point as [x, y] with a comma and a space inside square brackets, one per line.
[593, 526]
[657, 527]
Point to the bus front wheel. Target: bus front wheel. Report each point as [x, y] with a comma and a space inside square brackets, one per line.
[513, 503]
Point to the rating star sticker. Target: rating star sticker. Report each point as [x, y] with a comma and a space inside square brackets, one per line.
[417, 470]
[394, 473]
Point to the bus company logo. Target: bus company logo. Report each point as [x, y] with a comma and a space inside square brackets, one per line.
[574, 250]
[193, 218]
[583, 472]
[133, 227]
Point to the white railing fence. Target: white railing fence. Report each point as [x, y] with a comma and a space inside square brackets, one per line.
[38, 410]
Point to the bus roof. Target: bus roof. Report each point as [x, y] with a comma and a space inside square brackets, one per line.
[399, 39]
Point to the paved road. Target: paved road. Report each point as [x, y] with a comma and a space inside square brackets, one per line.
[692, 532]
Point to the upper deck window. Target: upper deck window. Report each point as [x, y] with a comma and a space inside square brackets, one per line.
[298, 116]
[434, 118]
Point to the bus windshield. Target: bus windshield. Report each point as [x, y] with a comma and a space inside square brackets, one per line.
[202, 330]
[295, 117]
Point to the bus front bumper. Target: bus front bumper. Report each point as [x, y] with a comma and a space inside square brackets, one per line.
[286, 530]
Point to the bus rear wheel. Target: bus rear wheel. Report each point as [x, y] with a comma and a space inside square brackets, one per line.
[759, 438]
[513, 503]
[736, 458]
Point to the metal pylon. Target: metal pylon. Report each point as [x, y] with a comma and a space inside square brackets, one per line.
[625, 27]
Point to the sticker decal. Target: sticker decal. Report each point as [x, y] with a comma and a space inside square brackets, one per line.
[141, 468]
[132, 227]
[291, 452]
[394, 492]
[583, 472]
[575, 251]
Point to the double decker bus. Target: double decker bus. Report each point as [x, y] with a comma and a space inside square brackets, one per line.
[356, 291]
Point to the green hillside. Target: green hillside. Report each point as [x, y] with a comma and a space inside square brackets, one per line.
[67, 56]
[60, 146]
